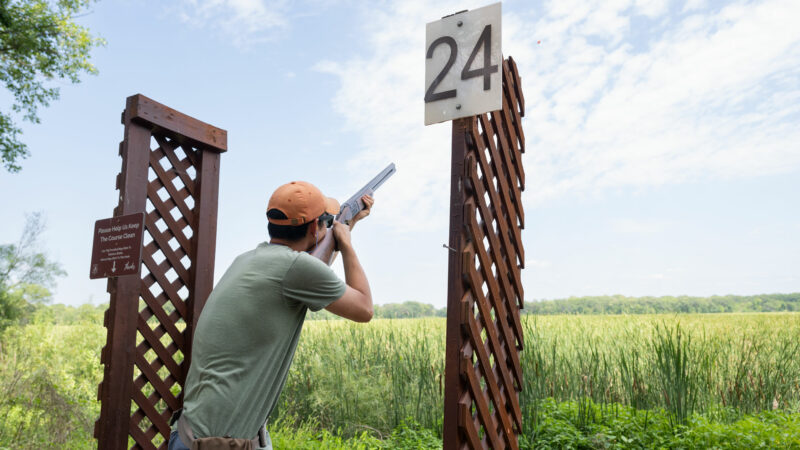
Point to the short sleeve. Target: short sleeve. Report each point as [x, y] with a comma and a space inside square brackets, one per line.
[311, 282]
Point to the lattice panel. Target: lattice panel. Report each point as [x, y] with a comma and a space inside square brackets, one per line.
[170, 171]
[492, 256]
[167, 256]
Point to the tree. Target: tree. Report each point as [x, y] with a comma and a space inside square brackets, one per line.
[39, 42]
[25, 273]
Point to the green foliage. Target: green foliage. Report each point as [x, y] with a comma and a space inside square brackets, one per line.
[589, 382]
[292, 434]
[48, 385]
[676, 364]
[622, 427]
[307, 435]
[39, 42]
[723, 365]
[353, 376]
[410, 435]
[25, 274]
[59, 314]
[619, 304]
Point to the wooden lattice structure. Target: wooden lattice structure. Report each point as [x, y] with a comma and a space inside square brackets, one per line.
[485, 295]
[170, 171]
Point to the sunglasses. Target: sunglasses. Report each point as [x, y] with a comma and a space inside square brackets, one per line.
[326, 219]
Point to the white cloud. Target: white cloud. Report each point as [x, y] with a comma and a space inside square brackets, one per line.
[245, 22]
[709, 97]
[611, 101]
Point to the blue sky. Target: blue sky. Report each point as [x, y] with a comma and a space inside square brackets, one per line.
[663, 146]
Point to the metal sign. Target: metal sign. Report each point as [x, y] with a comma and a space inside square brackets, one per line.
[463, 75]
[117, 247]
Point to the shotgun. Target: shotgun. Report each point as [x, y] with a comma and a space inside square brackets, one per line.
[325, 250]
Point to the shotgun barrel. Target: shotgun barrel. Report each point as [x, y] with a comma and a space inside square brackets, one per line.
[325, 250]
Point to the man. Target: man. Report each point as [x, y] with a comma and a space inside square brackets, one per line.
[247, 334]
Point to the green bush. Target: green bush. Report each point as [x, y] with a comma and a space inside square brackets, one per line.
[623, 427]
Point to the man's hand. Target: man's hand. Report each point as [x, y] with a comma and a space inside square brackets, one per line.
[368, 202]
[341, 233]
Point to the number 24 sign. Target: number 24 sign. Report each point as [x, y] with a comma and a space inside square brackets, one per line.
[463, 65]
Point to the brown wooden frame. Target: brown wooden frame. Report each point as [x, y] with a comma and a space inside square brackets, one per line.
[170, 171]
[483, 376]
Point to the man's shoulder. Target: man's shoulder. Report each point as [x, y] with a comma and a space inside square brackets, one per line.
[304, 261]
[271, 253]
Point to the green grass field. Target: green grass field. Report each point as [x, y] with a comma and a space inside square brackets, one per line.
[677, 381]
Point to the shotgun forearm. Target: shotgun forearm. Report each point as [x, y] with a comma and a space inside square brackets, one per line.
[325, 250]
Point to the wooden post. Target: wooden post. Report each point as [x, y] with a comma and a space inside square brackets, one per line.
[483, 375]
[454, 383]
[124, 294]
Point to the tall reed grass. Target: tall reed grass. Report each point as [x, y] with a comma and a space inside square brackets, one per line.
[356, 377]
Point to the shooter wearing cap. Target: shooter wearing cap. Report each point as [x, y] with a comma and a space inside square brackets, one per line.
[248, 331]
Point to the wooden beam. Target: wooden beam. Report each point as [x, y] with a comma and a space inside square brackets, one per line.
[181, 127]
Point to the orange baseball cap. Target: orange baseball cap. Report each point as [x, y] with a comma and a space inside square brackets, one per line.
[301, 202]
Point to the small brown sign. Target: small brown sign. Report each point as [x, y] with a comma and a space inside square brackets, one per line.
[117, 247]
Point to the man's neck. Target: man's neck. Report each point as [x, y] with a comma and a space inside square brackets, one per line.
[298, 246]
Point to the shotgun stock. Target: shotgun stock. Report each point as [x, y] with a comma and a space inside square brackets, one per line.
[326, 250]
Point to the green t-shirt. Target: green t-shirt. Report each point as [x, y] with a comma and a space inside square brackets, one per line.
[246, 338]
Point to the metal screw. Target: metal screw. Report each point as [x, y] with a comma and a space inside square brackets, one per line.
[458, 106]
[460, 23]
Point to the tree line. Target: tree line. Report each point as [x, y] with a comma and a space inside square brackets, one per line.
[404, 310]
[620, 304]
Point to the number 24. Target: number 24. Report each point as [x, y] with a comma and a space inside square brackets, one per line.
[466, 72]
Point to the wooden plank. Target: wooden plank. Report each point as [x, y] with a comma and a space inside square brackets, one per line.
[152, 340]
[115, 412]
[161, 299]
[479, 399]
[491, 281]
[504, 191]
[183, 128]
[166, 181]
[162, 243]
[508, 191]
[500, 356]
[501, 352]
[509, 337]
[454, 384]
[163, 283]
[192, 155]
[159, 424]
[514, 153]
[175, 227]
[158, 384]
[471, 432]
[517, 85]
[515, 173]
[514, 111]
[165, 321]
[168, 150]
[494, 243]
[204, 238]
[174, 256]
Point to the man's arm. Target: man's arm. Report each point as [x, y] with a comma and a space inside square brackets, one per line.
[356, 302]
